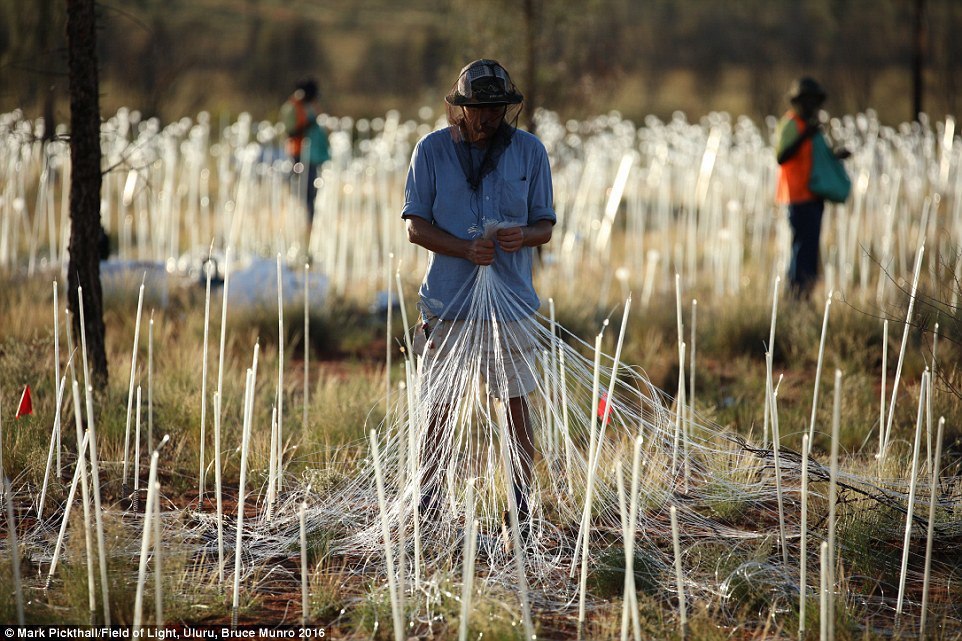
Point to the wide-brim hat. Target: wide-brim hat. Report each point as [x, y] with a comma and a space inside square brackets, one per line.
[806, 86]
[484, 82]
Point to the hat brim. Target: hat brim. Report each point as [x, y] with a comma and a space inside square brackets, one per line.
[462, 101]
[820, 97]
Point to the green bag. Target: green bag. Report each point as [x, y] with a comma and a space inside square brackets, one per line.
[828, 179]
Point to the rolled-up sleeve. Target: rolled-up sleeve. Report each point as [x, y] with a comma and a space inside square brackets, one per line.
[420, 188]
[540, 190]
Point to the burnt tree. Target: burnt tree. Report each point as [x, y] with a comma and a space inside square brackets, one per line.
[85, 184]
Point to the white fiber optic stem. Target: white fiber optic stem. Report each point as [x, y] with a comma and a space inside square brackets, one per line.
[396, 613]
[54, 439]
[548, 448]
[217, 492]
[612, 383]
[552, 414]
[133, 377]
[56, 365]
[833, 497]
[272, 466]
[902, 348]
[202, 465]
[771, 349]
[928, 419]
[629, 609]
[681, 327]
[415, 464]
[623, 514]
[302, 522]
[467, 568]
[933, 492]
[912, 486]
[307, 344]
[94, 466]
[680, 396]
[150, 383]
[679, 575]
[66, 511]
[223, 339]
[679, 409]
[771, 331]
[85, 493]
[245, 444]
[158, 551]
[610, 401]
[158, 558]
[564, 416]
[145, 543]
[402, 468]
[691, 360]
[279, 469]
[633, 523]
[803, 541]
[586, 512]
[881, 406]
[818, 368]
[14, 550]
[776, 444]
[404, 312]
[824, 612]
[767, 409]
[137, 449]
[388, 349]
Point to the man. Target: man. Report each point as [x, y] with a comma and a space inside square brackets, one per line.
[479, 197]
[794, 148]
[299, 115]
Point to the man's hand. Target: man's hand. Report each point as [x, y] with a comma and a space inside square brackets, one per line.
[511, 239]
[480, 251]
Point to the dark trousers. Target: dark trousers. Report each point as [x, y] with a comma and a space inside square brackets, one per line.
[310, 176]
[311, 191]
[806, 221]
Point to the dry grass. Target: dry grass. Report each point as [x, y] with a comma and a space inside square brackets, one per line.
[347, 384]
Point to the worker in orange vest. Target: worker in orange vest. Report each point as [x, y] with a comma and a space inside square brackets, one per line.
[794, 154]
[299, 115]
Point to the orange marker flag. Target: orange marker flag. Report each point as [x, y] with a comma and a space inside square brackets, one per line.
[26, 405]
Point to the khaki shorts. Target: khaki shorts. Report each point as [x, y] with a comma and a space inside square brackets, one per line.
[437, 340]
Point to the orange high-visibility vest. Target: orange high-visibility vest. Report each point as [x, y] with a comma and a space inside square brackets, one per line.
[794, 173]
[296, 137]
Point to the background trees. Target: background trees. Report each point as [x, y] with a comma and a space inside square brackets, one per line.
[171, 58]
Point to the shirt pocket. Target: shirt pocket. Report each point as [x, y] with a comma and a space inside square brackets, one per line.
[514, 199]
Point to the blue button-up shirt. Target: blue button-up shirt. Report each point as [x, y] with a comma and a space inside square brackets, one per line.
[517, 192]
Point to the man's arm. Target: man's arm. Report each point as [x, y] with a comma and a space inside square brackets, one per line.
[511, 239]
[421, 232]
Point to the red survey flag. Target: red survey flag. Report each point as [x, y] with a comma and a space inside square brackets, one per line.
[26, 405]
[602, 406]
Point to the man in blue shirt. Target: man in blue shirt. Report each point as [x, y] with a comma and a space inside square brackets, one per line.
[479, 196]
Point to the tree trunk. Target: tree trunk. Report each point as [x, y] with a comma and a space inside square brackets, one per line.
[532, 24]
[85, 183]
[918, 47]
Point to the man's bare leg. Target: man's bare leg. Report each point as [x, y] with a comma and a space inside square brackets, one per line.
[431, 470]
[523, 437]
